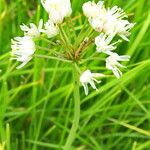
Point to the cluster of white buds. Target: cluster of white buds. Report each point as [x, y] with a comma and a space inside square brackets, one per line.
[107, 22]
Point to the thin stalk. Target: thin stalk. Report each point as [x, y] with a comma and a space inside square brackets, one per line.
[66, 41]
[72, 135]
[71, 28]
[49, 42]
[48, 50]
[65, 37]
[43, 48]
[51, 57]
[35, 91]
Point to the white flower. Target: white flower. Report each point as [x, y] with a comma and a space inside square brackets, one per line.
[33, 30]
[89, 78]
[113, 64]
[110, 25]
[96, 14]
[109, 21]
[115, 23]
[97, 24]
[123, 29]
[51, 30]
[103, 43]
[67, 10]
[22, 49]
[57, 9]
[91, 9]
[115, 12]
[120, 27]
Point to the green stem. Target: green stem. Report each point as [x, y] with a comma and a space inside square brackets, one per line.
[51, 57]
[73, 130]
[65, 41]
[49, 41]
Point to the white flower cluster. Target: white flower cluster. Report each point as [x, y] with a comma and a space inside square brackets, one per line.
[57, 9]
[23, 48]
[109, 22]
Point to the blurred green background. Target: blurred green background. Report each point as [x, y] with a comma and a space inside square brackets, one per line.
[36, 106]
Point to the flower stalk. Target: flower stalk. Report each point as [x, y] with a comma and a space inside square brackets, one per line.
[73, 131]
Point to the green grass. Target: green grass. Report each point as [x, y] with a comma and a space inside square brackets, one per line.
[36, 102]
